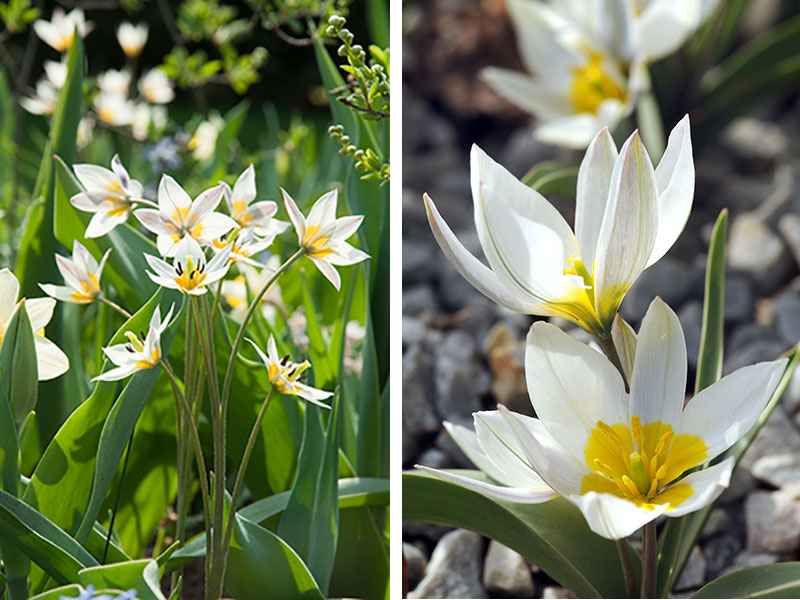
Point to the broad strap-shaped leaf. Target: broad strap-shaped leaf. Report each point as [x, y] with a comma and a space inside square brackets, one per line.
[780, 580]
[38, 538]
[139, 575]
[552, 535]
[285, 576]
[18, 368]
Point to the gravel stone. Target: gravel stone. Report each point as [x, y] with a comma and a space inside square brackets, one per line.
[716, 522]
[746, 559]
[416, 563]
[773, 520]
[786, 308]
[719, 552]
[739, 303]
[420, 264]
[756, 143]
[778, 436]
[754, 249]
[434, 458]
[691, 318]
[683, 281]
[419, 417]
[552, 592]
[777, 470]
[789, 228]
[420, 301]
[506, 572]
[505, 353]
[454, 568]
[694, 573]
[460, 379]
[413, 332]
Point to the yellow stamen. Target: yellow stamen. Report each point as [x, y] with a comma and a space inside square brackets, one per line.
[592, 85]
[315, 243]
[149, 363]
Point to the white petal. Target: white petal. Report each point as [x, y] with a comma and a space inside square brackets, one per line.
[70, 272]
[467, 440]
[102, 223]
[296, 217]
[473, 270]
[153, 220]
[171, 196]
[559, 469]
[571, 386]
[9, 291]
[324, 210]
[312, 394]
[659, 369]
[509, 494]
[206, 202]
[524, 91]
[189, 248]
[272, 351]
[245, 186]
[624, 338]
[594, 182]
[498, 442]
[613, 517]
[328, 270]
[161, 267]
[215, 225]
[94, 178]
[347, 226]
[344, 254]
[59, 292]
[166, 245]
[51, 361]
[524, 237]
[120, 355]
[572, 131]
[723, 412]
[40, 311]
[85, 202]
[675, 180]
[116, 374]
[707, 485]
[629, 228]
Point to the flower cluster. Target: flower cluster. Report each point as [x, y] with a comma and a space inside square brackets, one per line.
[114, 101]
[614, 439]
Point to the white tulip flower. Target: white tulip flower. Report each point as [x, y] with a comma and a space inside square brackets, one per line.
[156, 87]
[81, 274]
[114, 83]
[285, 375]
[244, 244]
[574, 85]
[108, 194]
[621, 457]
[640, 30]
[189, 273]
[56, 73]
[179, 217]
[132, 38]
[137, 354]
[85, 131]
[114, 109]
[204, 140]
[247, 213]
[323, 235]
[51, 361]
[627, 216]
[44, 101]
[58, 33]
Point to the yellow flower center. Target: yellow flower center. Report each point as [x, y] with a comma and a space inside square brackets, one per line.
[637, 462]
[106, 114]
[285, 371]
[190, 277]
[315, 243]
[240, 214]
[89, 290]
[152, 361]
[186, 225]
[592, 85]
[64, 42]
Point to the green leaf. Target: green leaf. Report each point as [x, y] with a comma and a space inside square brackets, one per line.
[552, 535]
[285, 576]
[767, 581]
[709, 364]
[18, 369]
[362, 558]
[324, 371]
[310, 522]
[72, 590]
[353, 493]
[35, 536]
[139, 575]
[60, 486]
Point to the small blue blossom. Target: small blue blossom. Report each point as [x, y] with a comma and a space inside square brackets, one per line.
[164, 154]
[88, 594]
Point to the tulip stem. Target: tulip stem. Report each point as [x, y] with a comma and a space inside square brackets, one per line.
[649, 561]
[627, 567]
[115, 306]
[648, 116]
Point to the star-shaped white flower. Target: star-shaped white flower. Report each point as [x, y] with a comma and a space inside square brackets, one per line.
[132, 38]
[189, 272]
[59, 32]
[136, 354]
[178, 216]
[622, 458]
[285, 375]
[108, 194]
[51, 361]
[81, 274]
[156, 87]
[323, 235]
[247, 213]
[114, 82]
